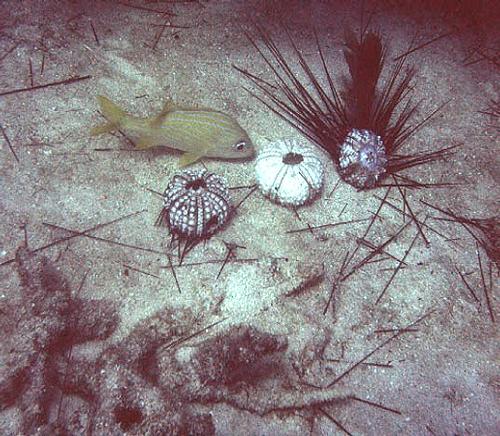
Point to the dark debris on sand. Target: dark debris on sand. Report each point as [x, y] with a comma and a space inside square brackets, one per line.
[38, 331]
[158, 379]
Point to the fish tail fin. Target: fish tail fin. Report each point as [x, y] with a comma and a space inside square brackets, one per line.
[112, 112]
[103, 128]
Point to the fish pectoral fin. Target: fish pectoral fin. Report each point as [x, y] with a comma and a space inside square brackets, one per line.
[103, 128]
[190, 157]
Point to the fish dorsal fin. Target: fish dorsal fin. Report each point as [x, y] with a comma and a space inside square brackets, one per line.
[168, 107]
[198, 108]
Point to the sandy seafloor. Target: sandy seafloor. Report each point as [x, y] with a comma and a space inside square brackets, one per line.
[440, 378]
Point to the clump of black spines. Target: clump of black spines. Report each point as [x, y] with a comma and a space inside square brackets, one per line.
[331, 116]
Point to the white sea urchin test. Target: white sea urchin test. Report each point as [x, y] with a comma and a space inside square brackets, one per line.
[289, 172]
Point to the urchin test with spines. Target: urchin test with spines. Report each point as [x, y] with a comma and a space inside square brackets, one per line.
[362, 125]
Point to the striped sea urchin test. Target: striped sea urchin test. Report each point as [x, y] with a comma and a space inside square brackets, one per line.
[196, 204]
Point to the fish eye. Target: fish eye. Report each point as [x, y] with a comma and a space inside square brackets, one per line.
[240, 146]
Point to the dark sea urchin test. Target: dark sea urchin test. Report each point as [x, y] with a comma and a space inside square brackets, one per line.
[361, 127]
[196, 204]
[362, 158]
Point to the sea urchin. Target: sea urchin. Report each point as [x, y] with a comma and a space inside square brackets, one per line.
[346, 122]
[196, 204]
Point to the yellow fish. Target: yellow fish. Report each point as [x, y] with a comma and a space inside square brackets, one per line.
[197, 132]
